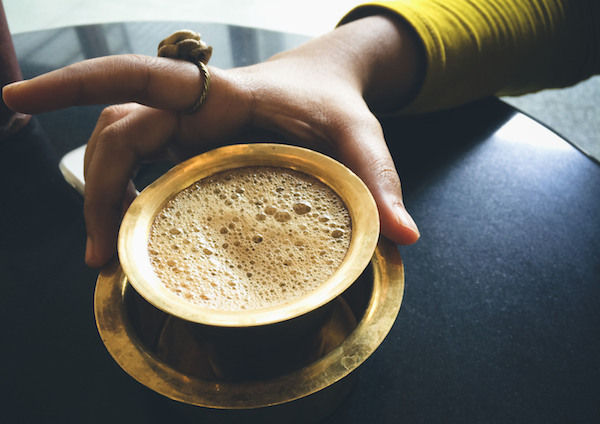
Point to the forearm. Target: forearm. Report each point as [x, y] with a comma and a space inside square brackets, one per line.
[10, 122]
[480, 48]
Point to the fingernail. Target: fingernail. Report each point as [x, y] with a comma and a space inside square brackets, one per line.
[14, 84]
[407, 220]
[89, 250]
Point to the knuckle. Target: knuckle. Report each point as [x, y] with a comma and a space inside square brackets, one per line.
[112, 114]
[388, 174]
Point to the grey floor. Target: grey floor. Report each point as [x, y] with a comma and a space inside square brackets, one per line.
[572, 112]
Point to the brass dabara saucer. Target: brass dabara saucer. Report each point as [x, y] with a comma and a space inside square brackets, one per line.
[293, 361]
[164, 353]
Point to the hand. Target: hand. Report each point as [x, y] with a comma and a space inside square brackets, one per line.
[296, 97]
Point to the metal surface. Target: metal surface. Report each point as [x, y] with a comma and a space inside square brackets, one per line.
[135, 230]
[134, 333]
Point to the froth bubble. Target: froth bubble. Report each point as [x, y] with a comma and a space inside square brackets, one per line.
[301, 208]
[282, 216]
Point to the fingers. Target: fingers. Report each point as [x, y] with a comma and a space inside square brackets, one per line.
[124, 136]
[365, 151]
[157, 82]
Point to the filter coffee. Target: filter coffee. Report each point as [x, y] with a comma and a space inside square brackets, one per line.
[249, 238]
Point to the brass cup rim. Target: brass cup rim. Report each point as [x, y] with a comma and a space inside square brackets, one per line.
[136, 224]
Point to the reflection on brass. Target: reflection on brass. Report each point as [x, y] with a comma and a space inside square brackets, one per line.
[187, 349]
[146, 343]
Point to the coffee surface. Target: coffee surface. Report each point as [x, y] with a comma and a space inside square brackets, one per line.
[249, 238]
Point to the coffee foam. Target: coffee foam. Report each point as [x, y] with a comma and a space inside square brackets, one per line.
[249, 238]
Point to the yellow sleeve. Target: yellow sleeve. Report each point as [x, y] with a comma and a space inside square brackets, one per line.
[478, 48]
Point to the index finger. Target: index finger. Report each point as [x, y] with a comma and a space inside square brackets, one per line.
[153, 81]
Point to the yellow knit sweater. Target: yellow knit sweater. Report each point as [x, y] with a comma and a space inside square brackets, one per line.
[477, 48]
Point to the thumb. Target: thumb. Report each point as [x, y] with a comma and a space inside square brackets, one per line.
[365, 152]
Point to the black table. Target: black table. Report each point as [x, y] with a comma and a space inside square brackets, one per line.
[501, 315]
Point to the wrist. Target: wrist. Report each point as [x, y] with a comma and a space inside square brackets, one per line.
[393, 60]
[380, 56]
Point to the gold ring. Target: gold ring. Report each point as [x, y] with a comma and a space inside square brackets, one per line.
[205, 87]
[188, 45]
